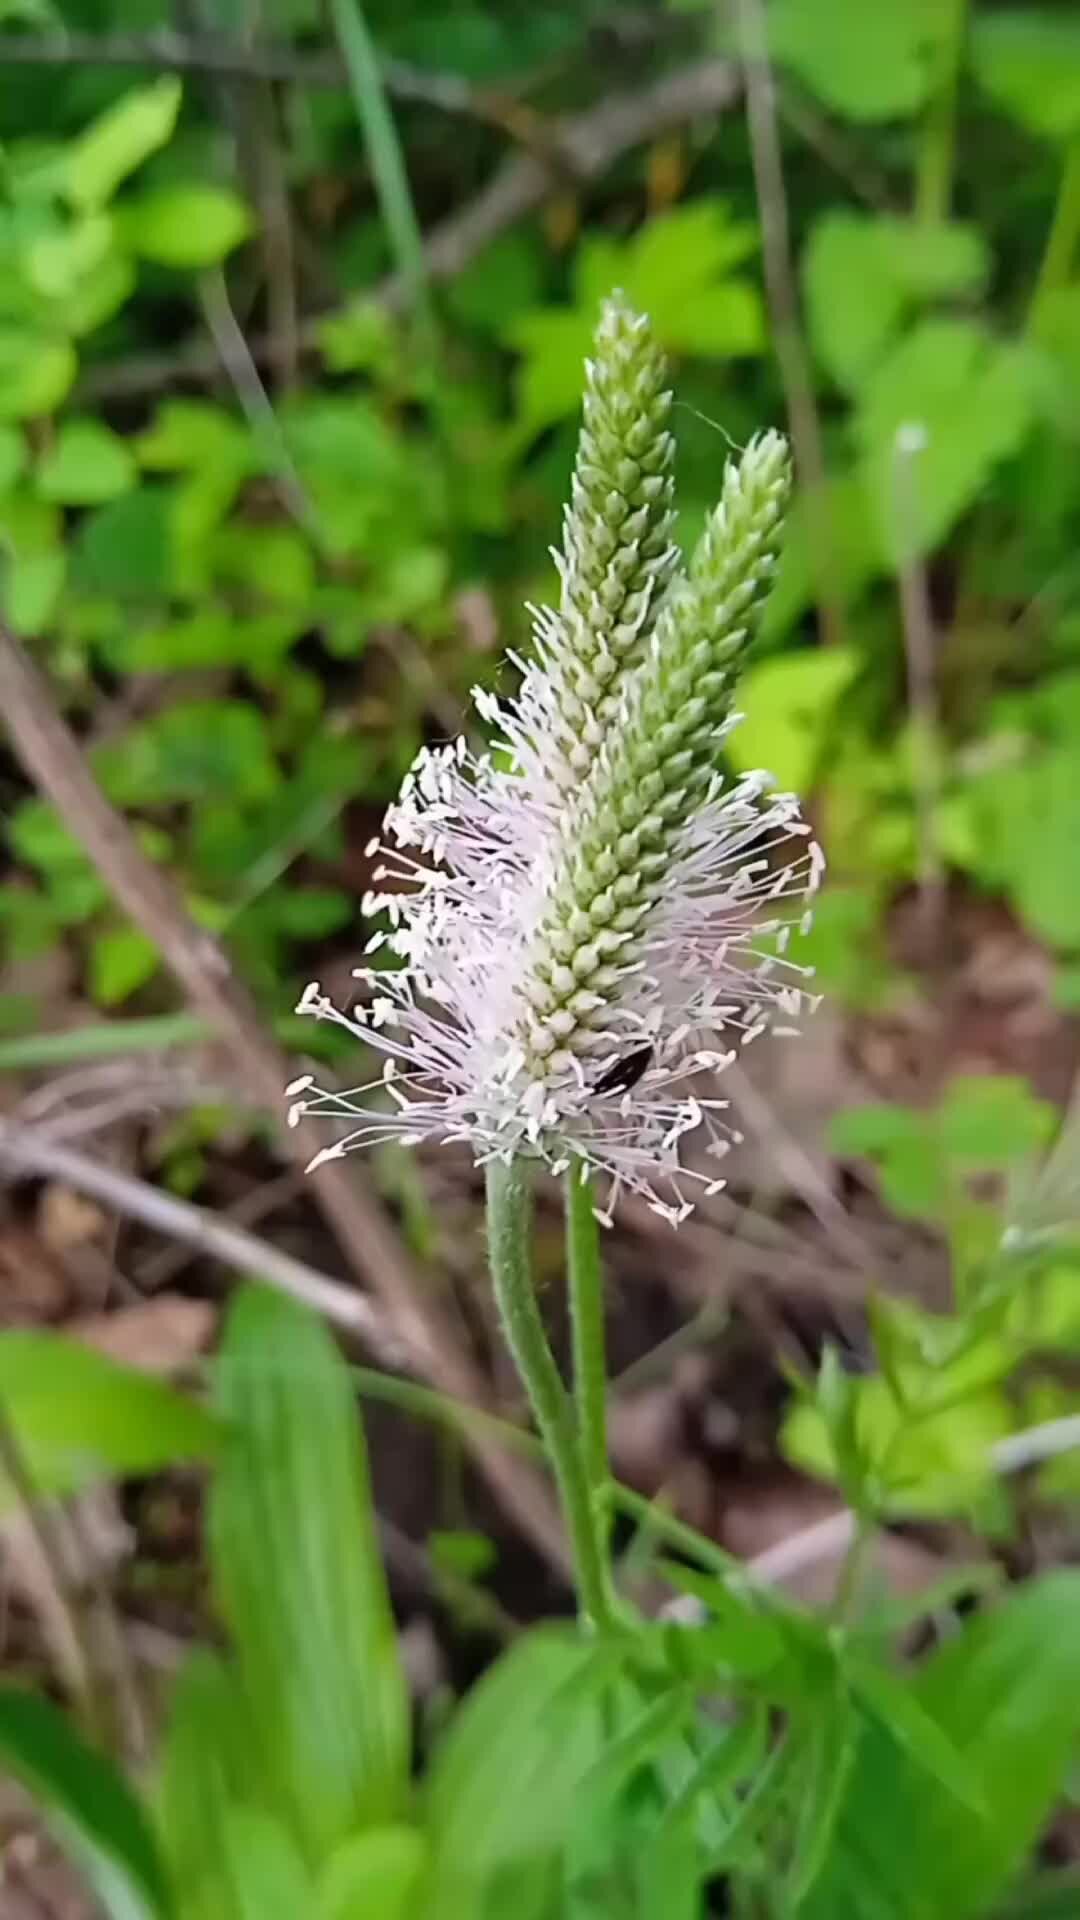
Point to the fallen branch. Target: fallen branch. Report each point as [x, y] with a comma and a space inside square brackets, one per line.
[54, 759]
[25, 1152]
[582, 147]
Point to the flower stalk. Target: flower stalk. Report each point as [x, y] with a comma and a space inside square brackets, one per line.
[509, 1222]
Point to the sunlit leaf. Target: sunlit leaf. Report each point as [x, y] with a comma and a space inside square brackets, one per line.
[120, 140]
[79, 1416]
[1029, 62]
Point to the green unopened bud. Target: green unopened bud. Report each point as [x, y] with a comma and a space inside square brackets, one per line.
[657, 760]
[617, 555]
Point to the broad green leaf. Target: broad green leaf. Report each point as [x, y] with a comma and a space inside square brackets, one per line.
[79, 1416]
[787, 704]
[959, 401]
[32, 585]
[186, 434]
[209, 1762]
[120, 140]
[374, 1876]
[97, 1819]
[902, 1147]
[898, 1707]
[992, 1120]
[864, 275]
[300, 1579]
[123, 549]
[86, 465]
[194, 225]
[200, 750]
[121, 960]
[677, 268]
[853, 301]
[504, 1786]
[1029, 62]
[868, 62]
[268, 1876]
[1027, 821]
[1006, 1695]
[36, 370]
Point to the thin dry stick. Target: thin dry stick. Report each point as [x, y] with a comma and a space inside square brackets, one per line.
[59, 1609]
[586, 146]
[27, 1152]
[920, 652]
[791, 353]
[234, 59]
[52, 756]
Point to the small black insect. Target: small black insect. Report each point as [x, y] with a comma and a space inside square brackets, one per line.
[625, 1073]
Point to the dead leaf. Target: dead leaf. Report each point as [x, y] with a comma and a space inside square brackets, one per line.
[162, 1336]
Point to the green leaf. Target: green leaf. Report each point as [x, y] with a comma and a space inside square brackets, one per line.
[36, 370]
[505, 1783]
[901, 1143]
[898, 1708]
[123, 548]
[1029, 62]
[968, 399]
[98, 1821]
[374, 1876]
[867, 62]
[33, 583]
[268, 1876]
[787, 705]
[121, 961]
[863, 275]
[1006, 1695]
[209, 1762]
[938, 1463]
[198, 750]
[992, 1120]
[193, 225]
[86, 465]
[79, 1416]
[120, 140]
[300, 1578]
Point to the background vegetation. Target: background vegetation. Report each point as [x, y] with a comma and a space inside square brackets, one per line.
[293, 306]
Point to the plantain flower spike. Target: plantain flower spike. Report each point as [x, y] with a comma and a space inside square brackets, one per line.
[585, 928]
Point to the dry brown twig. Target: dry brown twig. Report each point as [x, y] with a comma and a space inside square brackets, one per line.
[54, 760]
[585, 145]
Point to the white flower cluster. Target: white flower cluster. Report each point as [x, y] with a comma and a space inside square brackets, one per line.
[581, 937]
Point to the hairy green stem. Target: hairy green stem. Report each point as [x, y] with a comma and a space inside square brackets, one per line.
[509, 1217]
[1063, 238]
[586, 1290]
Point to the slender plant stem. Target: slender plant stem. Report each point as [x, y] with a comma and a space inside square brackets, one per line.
[586, 1286]
[1064, 235]
[384, 153]
[509, 1218]
[792, 354]
[937, 148]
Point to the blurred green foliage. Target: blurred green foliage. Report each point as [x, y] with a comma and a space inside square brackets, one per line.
[284, 600]
[579, 1779]
[257, 588]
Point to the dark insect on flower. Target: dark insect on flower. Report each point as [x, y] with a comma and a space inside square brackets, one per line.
[625, 1073]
